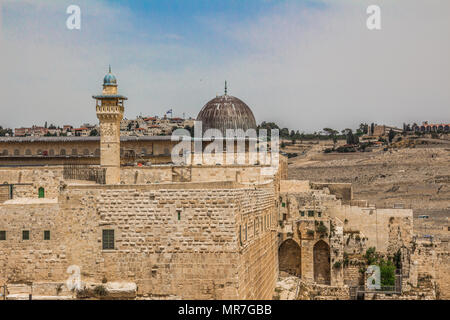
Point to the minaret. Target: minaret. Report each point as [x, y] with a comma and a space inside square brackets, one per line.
[110, 110]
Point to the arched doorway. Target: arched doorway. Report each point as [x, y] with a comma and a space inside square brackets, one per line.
[322, 263]
[289, 258]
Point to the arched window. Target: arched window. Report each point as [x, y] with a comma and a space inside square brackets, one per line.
[28, 152]
[39, 152]
[51, 152]
[41, 192]
[144, 151]
[97, 152]
[74, 152]
[62, 152]
[17, 152]
[5, 152]
[86, 152]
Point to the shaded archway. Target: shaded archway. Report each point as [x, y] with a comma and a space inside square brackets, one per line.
[322, 263]
[289, 258]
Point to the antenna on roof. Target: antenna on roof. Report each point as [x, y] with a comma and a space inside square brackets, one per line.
[226, 90]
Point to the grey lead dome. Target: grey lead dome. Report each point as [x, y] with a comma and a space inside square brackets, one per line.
[226, 112]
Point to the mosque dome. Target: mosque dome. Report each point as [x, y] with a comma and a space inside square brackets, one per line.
[226, 112]
[110, 79]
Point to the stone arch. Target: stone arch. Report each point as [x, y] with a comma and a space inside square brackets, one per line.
[5, 152]
[17, 152]
[51, 152]
[62, 152]
[322, 268]
[289, 258]
[28, 152]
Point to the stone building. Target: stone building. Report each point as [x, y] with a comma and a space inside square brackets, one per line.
[155, 230]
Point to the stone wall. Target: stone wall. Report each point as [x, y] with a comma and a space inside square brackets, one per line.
[342, 191]
[381, 227]
[181, 240]
[26, 181]
[430, 262]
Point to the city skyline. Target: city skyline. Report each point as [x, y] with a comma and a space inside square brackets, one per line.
[314, 61]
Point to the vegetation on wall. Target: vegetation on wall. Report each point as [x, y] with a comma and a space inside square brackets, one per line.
[387, 266]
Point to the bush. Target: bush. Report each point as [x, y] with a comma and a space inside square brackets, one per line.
[371, 256]
[387, 269]
[100, 291]
[321, 228]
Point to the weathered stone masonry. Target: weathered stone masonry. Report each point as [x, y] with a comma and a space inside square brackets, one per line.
[170, 239]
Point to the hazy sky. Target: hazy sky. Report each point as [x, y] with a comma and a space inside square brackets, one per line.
[303, 64]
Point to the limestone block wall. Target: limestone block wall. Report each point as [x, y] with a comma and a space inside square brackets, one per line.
[28, 180]
[294, 186]
[36, 258]
[343, 191]
[430, 261]
[174, 239]
[376, 224]
[162, 174]
[145, 175]
[258, 241]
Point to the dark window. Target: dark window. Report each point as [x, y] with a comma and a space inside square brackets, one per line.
[46, 235]
[2, 235]
[179, 215]
[240, 235]
[108, 239]
[319, 214]
[283, 204]
[302, 213]
[25, 235]
[284, 216]
[41, 192]
[310, 213]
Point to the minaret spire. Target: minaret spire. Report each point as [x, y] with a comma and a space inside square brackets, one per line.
[109, 68]
[226, 89]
